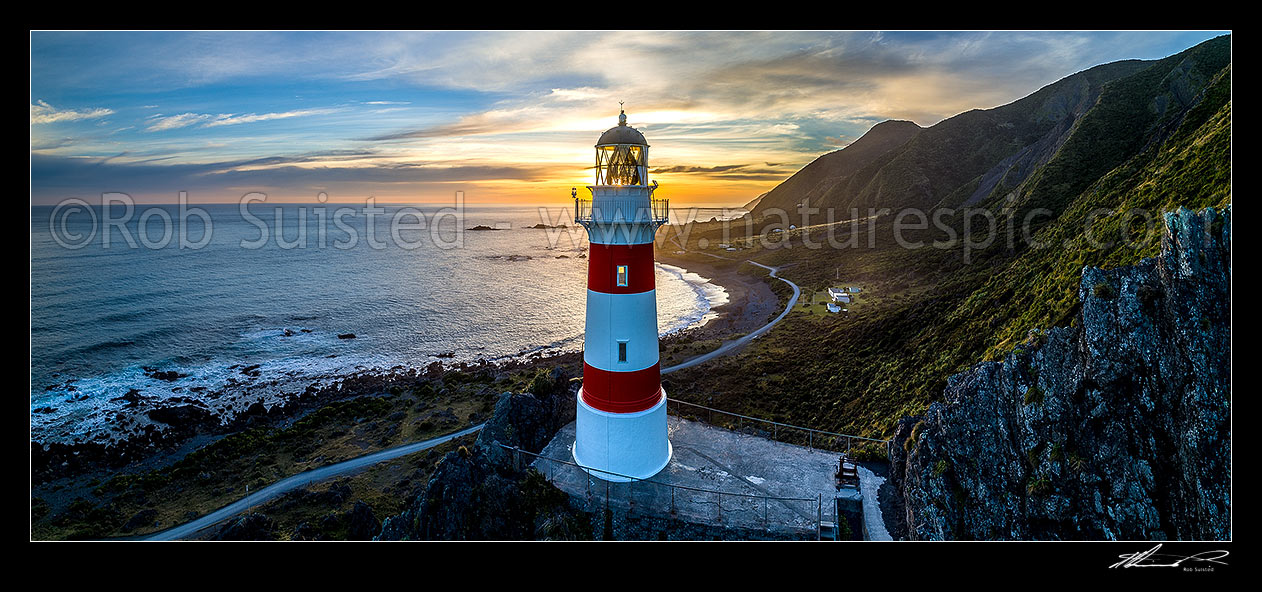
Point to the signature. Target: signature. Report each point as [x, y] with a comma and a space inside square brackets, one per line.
[1151, 558]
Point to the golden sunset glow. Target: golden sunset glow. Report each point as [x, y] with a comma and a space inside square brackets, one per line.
[501, 116]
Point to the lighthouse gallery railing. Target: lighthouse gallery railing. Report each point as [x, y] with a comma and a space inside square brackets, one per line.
[622, 210]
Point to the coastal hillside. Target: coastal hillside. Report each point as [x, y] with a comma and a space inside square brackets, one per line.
[1044, 148]
[1135, 139]
[817, 180]
[1115, 428]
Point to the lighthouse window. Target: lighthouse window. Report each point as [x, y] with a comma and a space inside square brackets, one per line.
[622, 351]
[620, 164]
[622, 275]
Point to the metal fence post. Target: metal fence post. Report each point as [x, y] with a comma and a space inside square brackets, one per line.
[819, 520]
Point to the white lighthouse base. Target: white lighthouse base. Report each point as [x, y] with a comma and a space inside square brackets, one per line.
[633, 445]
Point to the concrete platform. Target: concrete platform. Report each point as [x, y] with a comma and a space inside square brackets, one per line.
[746, 469]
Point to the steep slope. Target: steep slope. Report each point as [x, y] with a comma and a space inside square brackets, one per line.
[961, 159]
[818, 178]
[936, 310]
[1045, 148]
[1117, 427]
[1131, 114]
[753, 203]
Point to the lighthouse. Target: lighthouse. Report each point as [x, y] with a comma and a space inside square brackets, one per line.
[621, 418]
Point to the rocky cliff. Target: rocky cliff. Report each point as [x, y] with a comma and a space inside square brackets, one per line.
[1117, 427]
[483, 492]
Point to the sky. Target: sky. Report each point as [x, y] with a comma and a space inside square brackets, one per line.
[503, 116]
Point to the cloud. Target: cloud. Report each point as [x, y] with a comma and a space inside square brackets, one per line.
[50, 143]
[729, 172]
[161, 123]
[42, 112]
[466, 127]
[56, 177]
[230, 119]
[697, 169]
[503, 102]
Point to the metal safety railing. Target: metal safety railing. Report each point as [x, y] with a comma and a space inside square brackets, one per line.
[793, 514]
[622, 211]
[779, 432]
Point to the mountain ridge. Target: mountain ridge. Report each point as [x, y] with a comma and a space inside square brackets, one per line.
[1013, 150]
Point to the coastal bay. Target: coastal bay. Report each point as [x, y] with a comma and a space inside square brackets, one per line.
[156, 478]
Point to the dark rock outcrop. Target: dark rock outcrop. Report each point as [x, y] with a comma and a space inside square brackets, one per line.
[484, 492]
[140, 519]
[164, 375]
[1117, 427]
[364, 525]
[251, 527]
[188, 416]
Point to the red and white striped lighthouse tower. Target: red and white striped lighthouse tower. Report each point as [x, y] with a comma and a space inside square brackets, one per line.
[621, 423]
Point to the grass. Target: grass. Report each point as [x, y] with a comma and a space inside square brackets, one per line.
[219, 473]
[1034, 395]
[930, 313]
[387, 487]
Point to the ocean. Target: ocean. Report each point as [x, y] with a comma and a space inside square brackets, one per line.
[109, 318]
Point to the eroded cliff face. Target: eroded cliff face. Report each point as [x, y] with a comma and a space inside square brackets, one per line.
[1117, 427]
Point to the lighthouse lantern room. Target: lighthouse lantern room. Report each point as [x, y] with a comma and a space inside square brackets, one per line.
[621, 421]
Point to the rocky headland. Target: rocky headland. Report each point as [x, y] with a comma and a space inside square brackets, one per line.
[1115, 428]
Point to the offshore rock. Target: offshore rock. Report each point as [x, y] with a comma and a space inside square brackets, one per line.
[1115, 428]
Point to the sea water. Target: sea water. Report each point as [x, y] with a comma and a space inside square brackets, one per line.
[105, 316]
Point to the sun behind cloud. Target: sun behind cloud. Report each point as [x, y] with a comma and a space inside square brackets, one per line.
[501, 116]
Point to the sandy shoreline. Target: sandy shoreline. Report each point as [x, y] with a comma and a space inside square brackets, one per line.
[750, 299]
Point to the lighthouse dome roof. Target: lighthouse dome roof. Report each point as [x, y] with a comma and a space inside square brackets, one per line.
[622, 134]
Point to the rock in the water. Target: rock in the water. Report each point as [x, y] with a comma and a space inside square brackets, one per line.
[1117, 427]
[346, 336]
[185, 416]
[132, 397]
[166, 375]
